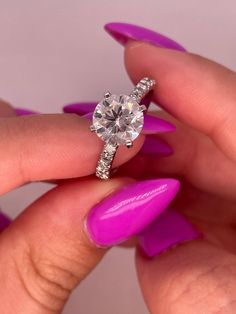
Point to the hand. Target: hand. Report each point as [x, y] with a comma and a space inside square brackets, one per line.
[45, 252]
[200, 276]
[56, 242]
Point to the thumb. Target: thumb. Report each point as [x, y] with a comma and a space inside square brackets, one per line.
[46, 251]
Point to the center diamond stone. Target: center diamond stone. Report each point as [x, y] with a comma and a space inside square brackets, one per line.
[118, 119]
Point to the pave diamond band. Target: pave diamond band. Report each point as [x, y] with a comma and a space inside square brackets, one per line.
[143, 87]
[118, 120]
[105, 161]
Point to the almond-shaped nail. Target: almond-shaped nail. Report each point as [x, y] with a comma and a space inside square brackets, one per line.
[128, 211]
[4, 221]
[152, 124]
[123, 32]
[168, 230]
[156, 146]
[24, 111]
[81, 108]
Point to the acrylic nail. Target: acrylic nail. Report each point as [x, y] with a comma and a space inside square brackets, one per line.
[80, 108]
[24, 112]
[170, 229]
[156, 146]
[4, 221]
[152, 145]
[128, 211]
[152, 124]
[123, 32]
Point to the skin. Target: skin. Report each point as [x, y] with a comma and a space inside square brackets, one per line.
[45, 252]
[200, 276]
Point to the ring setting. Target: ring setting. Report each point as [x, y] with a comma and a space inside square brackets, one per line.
[118, 120]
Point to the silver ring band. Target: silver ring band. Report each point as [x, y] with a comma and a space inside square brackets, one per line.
[103, 169]
[143, 87]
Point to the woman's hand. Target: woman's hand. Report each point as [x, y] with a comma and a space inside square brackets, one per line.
[200, 276]
[46, 252]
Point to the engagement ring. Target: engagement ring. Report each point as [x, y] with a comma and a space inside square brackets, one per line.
[118, 120]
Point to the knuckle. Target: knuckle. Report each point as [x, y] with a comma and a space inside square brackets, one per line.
[49, 276]
[41, 280]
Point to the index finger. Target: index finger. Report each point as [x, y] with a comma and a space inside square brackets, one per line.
[197, 91]
[50, 146]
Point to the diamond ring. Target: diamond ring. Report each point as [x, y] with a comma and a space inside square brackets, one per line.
[118, 120]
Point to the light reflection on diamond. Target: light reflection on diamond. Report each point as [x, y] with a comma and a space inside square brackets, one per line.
[117, 119]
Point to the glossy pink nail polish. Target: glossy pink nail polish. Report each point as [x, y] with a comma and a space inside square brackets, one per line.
[128, 211]
[152, 124]
[152, 144]
[81, 108]
[24, 112]
[168, 230]
[123, 32]
[156, 146]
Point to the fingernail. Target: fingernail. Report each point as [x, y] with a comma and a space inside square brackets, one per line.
[156, 146]
[152, 124]
[24, 112]
[122, 32]
[4, 221]
[128, 211]
[83, 108]
[168, 230]
[152, 144]
[80, 108]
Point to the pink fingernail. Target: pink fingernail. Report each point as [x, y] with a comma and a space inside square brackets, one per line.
[128, 211]
[156, 146]
[152, 124]
[24, 111]
[168, 230]
[152, 144]
[123, 32]
[83, 108]
[80, 108]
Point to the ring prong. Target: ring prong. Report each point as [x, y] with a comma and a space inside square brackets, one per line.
[107, 95]
[92, 128]
[129, 143]
[143, 108]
